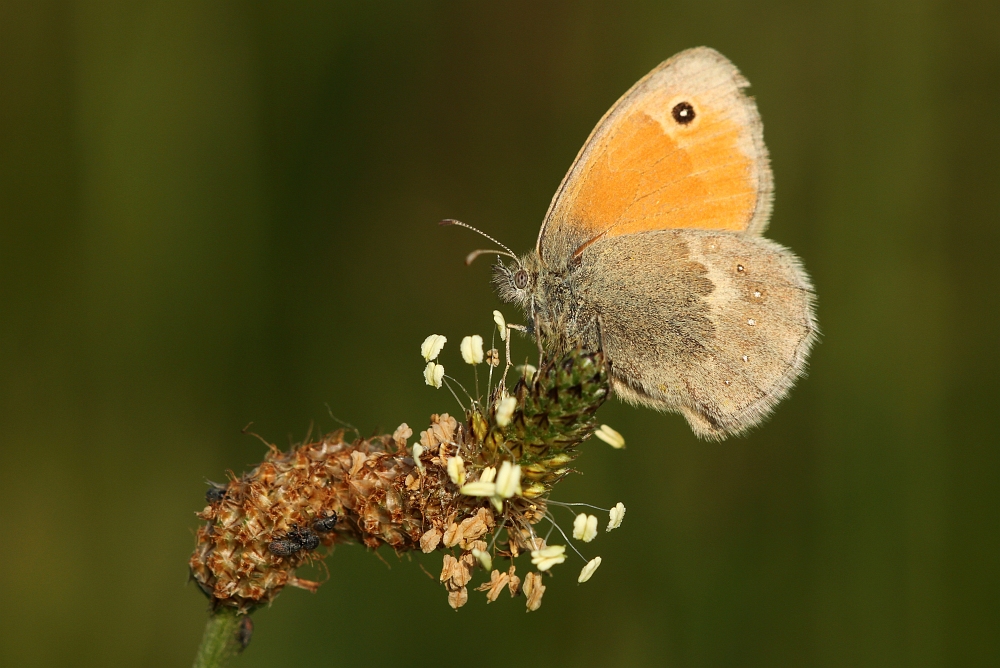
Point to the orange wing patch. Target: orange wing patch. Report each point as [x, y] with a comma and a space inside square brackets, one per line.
[648, 180]
[645, 168]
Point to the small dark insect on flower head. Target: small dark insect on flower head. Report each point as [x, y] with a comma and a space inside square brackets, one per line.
[215, 493]
[306, 539]
[325, 524]
[310, 541]
[244, 633]
[284, 547]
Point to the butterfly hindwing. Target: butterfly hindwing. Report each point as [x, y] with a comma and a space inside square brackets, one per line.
[713, 325]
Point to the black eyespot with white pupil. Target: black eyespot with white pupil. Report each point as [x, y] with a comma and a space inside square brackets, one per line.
[520, 279]
[683, 113]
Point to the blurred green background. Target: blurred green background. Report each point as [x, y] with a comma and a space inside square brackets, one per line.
[215, 213]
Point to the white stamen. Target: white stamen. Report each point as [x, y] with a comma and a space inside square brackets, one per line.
[501, 324]
[479, 488]
[617, 514]
[456, 470]
[610, 436]
[589, 569]
[472, 349]
[433, 374]
[508, 480]
[548, 557]
[485, 560]
[585, 527]
[505, 410]
[431, 347]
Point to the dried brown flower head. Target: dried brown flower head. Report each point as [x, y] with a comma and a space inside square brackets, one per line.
[474, 488]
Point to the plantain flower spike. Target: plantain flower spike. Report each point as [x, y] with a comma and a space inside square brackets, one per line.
[516, 444]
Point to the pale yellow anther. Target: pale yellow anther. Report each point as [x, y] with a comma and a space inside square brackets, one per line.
[417, 451]
[472, 349]
[585, 527]
[485, 560]
[616, 515]
[589, 569]
[528, 371]
[505, 410]
[610, 436]
[479, 488]
[509, 480]
[433, 374]
[456, 470]
[501, 324]
[549, 556]
[431, 347]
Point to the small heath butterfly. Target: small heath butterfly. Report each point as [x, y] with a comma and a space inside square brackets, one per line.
[651, 251]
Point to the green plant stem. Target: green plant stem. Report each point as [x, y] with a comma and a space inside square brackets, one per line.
[219, 642]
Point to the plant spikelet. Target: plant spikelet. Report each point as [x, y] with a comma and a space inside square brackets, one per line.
[294, 506]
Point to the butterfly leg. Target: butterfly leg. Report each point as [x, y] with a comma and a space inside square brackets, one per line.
[509, 364]
[534, 330]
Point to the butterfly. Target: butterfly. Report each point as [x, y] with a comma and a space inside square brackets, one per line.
[651, 251]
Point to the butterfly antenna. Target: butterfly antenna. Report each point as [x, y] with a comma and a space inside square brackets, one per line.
[474, 254]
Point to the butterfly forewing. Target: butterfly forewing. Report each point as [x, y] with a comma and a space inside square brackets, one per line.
[683, 148]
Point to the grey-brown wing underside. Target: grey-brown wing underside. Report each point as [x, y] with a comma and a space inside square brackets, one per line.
[713, 325]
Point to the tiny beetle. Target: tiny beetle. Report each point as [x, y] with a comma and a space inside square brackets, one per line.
[284, 547]
[325, 524]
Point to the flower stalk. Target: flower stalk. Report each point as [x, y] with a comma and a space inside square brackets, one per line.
[220, 641]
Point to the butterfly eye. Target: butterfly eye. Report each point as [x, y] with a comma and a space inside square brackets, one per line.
[520, 279]
[683, 113]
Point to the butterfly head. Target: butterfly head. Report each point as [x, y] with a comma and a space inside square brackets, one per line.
[516, 282]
